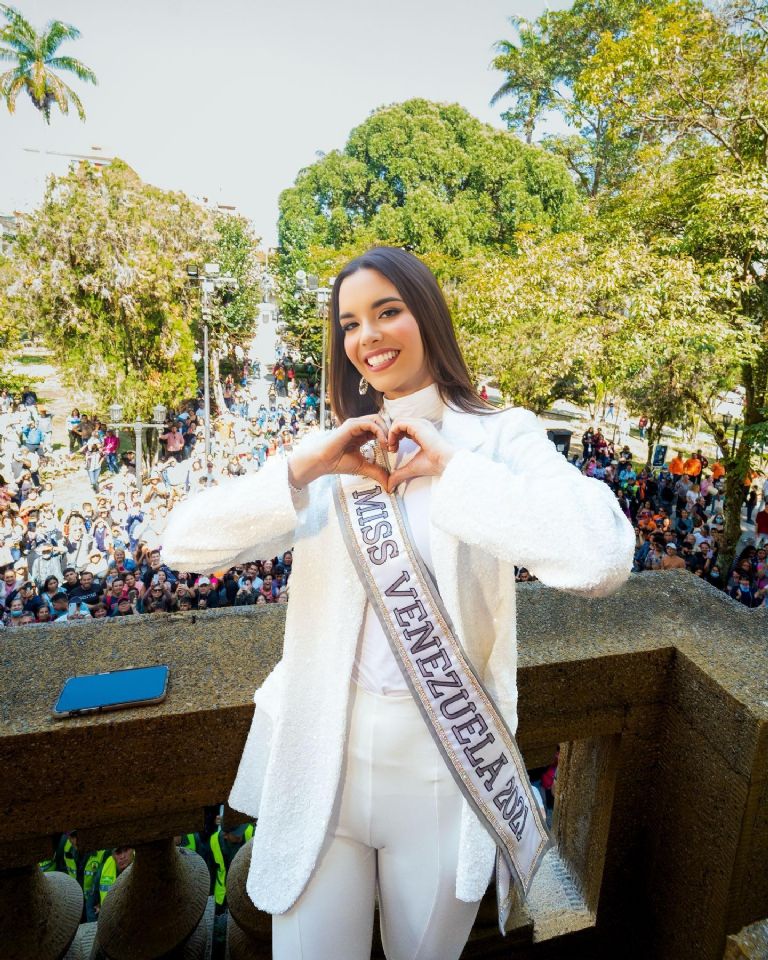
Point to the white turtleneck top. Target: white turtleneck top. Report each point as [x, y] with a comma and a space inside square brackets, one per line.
[375, 666]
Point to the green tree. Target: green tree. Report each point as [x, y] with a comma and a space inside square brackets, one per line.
[696, 76]
[35, 58]
[232, 319]
[544, 67]
[98, 274]
[426, 176]
[586, 318]
[429, 176]
[10, 333]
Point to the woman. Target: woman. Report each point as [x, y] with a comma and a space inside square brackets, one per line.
[50, 589]
[94, 458]
[267, 589]
[73, 424]
[102, 535]
[483, 492]
[78, 543]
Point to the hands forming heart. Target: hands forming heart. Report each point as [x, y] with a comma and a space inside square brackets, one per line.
[429, 460]
[342, 453]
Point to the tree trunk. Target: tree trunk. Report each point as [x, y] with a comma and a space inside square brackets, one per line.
[734, 497]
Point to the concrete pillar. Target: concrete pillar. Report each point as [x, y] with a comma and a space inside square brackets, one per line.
[586, 776]
[39, 913]
[156, 907]
[249, 930]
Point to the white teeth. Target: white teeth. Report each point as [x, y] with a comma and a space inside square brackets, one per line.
[381, 358]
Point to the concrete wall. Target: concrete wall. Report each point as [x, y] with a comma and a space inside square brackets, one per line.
[658, 696]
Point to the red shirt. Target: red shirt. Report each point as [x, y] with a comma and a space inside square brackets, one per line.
[761, 523]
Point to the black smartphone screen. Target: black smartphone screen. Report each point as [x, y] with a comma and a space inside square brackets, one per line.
[132, 685]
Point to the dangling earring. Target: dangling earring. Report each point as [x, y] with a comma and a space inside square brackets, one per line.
[363, 386]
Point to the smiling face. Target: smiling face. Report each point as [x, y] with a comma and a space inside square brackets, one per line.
[381, 336]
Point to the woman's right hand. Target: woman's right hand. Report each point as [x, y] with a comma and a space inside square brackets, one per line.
[340, 453]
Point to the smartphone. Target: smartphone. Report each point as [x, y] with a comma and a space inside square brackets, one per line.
[113, 690]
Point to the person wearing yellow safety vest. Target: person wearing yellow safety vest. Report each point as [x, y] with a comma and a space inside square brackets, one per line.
[91, 867]
[224, 845]
[65, 859]
[111, 868]
[191, 841]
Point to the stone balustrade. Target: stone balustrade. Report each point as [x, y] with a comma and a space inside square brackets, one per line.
[657, 696]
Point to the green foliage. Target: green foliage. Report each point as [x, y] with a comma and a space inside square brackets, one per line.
[97, 274]
[544, 69]
[9, 326]
[698, 78]
[423, 175]
[35, 58]
[585, 317]
[233, 246]
[429, 176]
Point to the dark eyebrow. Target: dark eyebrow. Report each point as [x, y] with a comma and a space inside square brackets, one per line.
[374, 306]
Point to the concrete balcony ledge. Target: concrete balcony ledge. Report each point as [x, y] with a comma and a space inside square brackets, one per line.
[657, 695]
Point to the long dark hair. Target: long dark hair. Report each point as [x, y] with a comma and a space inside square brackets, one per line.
[422, 295]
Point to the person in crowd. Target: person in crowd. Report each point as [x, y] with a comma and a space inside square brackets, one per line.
[225, 844]
[743, 591]
[112, 865]
[47, 563]
[246, 595]
[94, 458]
[88, 591]
[671, 560]
[9, 586]
[14, 610]
[174, 441]
[59, 605]
[207, 597]
[109, 448]
[73, 430]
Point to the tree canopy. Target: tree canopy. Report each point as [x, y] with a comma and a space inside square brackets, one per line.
[36, 62]
[544, 67]
[696, 77]
[422, 175]
[431, 177]
[99, 275]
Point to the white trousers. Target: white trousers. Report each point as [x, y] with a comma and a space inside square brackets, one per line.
[395, 833]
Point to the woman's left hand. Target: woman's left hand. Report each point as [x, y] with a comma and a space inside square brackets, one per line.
[429, 461]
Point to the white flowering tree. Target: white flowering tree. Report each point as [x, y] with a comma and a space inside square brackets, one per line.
[98, 272]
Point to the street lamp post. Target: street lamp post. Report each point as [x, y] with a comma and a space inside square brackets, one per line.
[159, 413]
[210, 281]
[308, 282]
[323, 296]
[206, 289]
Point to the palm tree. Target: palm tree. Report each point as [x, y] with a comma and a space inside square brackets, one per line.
[34, 56]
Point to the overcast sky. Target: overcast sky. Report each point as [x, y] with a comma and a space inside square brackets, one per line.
[228, 100]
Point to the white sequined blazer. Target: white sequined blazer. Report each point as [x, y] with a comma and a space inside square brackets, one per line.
[506, 498]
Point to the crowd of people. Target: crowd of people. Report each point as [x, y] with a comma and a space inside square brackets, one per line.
[677, 512]
[102, 557]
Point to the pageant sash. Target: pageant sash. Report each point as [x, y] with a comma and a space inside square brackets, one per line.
[473, 738]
